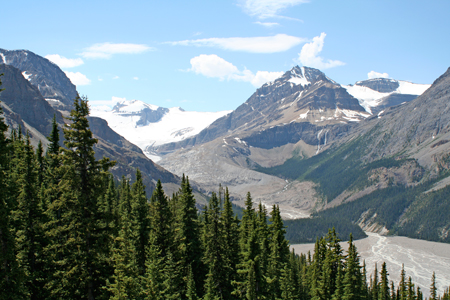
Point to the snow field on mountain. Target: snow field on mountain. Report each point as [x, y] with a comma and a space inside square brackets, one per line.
[176, 125]
[369, 98]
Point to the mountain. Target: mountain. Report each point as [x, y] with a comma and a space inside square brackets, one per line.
[149, 126]
[380, 93]
[300, 98]
[24, 106]
[46, 76]
[297, 116]
[390, 173]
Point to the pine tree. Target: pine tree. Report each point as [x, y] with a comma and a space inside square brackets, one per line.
[81, 254]
[411, 290]
[384, 283]
[213, 258]
[141, 218]
[187, 238]
[162, 220]
[231, 244]
[375, 287]
[279, 251]
[125, 281]
[29, 219]
[402, 289]
[352, 278]
[433, 289]
[10, 275]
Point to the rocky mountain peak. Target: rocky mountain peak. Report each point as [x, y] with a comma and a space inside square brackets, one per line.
[50, 80]
[381, 85]
[148, 113]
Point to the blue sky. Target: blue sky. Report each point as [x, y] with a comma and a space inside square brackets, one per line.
[212, 55]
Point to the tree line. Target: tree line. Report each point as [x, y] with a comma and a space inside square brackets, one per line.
[68, 230]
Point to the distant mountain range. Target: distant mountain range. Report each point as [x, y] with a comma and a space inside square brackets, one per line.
[149, 126]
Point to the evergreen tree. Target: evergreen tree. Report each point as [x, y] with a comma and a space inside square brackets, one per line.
[352, 278]
[141, 218]
[10, 275]
[230, 236]
[375, 286]
[191, 294]
[81, 253]
[279, 251]
[162, 220]
[29, 219]
[402, 289]
[125, 281]
[384, 284]
[187, 238]
[411, 290]
[214, 259]
[433, 289]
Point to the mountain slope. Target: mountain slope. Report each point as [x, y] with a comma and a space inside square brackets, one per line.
[50, 80]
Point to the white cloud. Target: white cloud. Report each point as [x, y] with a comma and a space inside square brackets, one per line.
[136, 78]
[77, 78]
[116, 77]
[267, 8]
[212, 66]
[269, 44]
[262, 77]
[267, 24]
[309, 56]
[216, 67]
[373, 74]
[63, 62]
[106, 50]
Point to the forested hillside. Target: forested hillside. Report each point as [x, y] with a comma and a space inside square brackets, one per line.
[69, 231]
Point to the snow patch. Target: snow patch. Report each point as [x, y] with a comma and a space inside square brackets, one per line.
[369, 98]
[3, 58]
[303, 116]
[299, 81]
[26, 76]
[240, 141]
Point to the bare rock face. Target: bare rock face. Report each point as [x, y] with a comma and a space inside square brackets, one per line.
[47, 77]
[382, 85]
[25, 100]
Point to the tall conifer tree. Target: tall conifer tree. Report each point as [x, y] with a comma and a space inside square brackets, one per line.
[10, 275]
[81, 252]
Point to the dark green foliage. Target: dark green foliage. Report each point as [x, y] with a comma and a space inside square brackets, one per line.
[141, 221]
[188, 251]
[10, 274]
[306, 230]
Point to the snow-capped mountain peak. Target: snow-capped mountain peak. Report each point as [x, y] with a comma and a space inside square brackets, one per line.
[148, 126]
[373, 93]
[132, 106]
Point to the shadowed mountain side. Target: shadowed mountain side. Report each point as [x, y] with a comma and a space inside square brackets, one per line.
[25, 99]
[51, 81]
